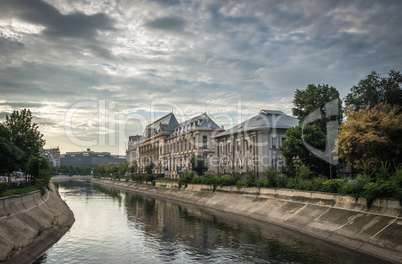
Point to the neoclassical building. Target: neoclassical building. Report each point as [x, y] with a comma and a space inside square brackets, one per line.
[170, 145]
[254, 144]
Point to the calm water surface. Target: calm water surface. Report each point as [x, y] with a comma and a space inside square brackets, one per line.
[115, 226]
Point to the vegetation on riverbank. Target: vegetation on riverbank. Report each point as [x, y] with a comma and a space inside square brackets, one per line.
[20, 191]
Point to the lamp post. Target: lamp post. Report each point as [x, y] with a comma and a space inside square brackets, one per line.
[296, 162]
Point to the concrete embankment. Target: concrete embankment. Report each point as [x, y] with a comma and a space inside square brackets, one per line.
[63, 177]
[339, 219]
[32, 223]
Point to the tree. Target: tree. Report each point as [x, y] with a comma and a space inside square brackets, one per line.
[371, 136]
[149, 167]
[315, 100]
[123, 168]
[315, 97]
[198, 165]
[10, 154]
[25, 135]
[374, 90]
[294, 146]
[134, 167]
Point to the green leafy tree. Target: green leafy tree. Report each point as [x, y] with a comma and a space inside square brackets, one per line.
[149, 167]
[294, 146]
[123, 168]
[25, 135]
[10, 154]
[315, 97]
[374, 90]
[99, 169]
[198, 165]
[134, 167]
[312, 101]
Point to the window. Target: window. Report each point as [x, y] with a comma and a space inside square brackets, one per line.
[237, 145]
[204, 142]
[274, 142]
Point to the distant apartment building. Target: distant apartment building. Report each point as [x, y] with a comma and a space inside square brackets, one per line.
[131, 153]
[253, 145]
[52, 155]
[81, 158]
[170, 145]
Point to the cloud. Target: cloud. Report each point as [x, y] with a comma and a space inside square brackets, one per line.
[199, 55]
[172, 24]
[38, 12]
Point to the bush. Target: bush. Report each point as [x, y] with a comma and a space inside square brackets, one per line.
[377, 190]
[240, 183]
[3, 187]
[149, 177]
[355, 188]
[226, 180]
[333, 186]
[250, 179]
[138, 177]
[275, 179]
[304, 172]
[396, 182]
[187, 177]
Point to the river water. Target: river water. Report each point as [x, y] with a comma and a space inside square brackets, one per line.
[115, 226]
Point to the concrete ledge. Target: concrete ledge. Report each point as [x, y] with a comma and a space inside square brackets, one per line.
[30, 224]
[336, 218]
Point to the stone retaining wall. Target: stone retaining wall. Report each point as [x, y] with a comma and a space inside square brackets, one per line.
[332, 217]
[31, 223]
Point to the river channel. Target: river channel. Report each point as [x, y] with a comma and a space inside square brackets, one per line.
[116, 226]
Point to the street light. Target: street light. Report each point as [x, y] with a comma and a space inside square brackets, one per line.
[296, 162]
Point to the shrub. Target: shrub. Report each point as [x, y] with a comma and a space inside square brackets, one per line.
[250, 179]
[226, 180]
[377, 190]
[275, 179]
[186, 177]
[149, 177]
[355, 188]
[240, 183]
[304, 172]
[333, 186]
[396, 182]
[3, 187]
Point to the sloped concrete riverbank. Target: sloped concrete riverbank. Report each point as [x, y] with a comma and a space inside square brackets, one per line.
[32, 223]
[339, 219]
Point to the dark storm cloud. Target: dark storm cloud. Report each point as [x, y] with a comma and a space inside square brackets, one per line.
[75, 25]
[170, 24]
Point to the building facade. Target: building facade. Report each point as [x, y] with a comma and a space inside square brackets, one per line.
[253, 145]
[82, 158]
[170, 145]
[52, 155]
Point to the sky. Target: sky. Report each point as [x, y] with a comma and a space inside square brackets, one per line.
[95, 72]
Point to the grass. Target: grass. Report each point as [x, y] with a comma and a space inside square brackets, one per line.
[20, 191]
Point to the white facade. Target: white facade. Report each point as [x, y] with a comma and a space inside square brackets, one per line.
[254, 145]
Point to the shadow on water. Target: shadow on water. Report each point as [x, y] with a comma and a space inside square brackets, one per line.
[154, 230]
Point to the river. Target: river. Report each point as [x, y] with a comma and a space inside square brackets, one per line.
[115, 226]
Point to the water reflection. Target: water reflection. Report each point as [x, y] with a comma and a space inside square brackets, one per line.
[134, 228]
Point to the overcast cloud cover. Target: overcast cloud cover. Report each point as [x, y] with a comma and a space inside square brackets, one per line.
[116, 58]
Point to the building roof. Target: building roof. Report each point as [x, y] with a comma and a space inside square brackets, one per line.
[168, 121]
[202, 120]
[265, 119]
